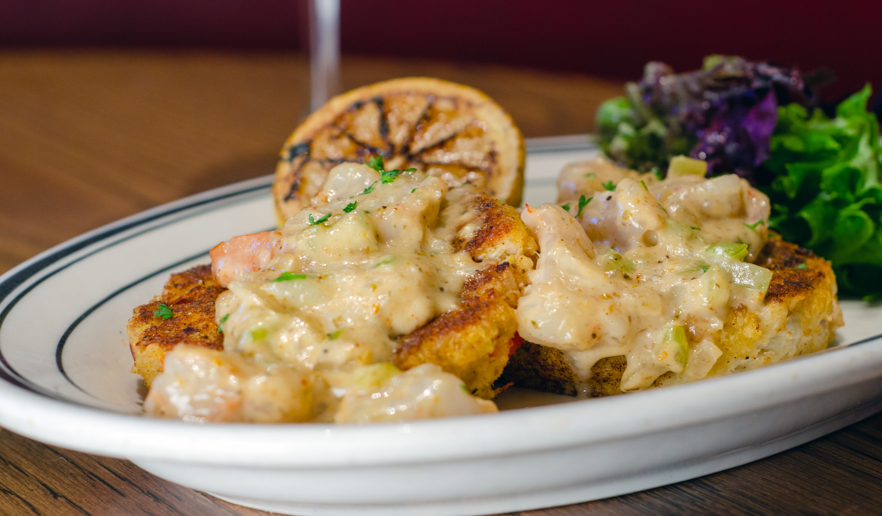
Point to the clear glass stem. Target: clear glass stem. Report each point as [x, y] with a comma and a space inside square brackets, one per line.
[324, 51]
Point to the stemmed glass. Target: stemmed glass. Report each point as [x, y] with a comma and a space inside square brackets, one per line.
[324, 51]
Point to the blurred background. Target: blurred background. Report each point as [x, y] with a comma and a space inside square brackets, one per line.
[603, 39]
[111, 107]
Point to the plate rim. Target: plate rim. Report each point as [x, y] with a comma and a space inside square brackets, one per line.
[134, 436]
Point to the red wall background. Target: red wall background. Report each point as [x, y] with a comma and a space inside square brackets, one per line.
[608, 39]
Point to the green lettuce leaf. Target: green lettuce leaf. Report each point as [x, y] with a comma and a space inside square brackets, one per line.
[825, 190]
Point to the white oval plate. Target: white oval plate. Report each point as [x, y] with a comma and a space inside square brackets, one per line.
[64, 380]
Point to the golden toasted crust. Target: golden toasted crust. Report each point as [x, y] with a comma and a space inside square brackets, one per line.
[190, 295]
[436, 126]
[791, 281]
[799, 316]
[501, 229]
[474, 342]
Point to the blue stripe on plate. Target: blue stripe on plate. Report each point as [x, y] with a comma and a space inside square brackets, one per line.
[59, 349]
[32, 270]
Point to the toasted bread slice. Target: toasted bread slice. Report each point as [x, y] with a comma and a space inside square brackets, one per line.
[799, 316]
[439, 127]
[473, 343]
[190, 295]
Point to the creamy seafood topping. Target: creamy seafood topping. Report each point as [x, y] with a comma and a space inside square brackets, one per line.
[313, 310]
[631, 265]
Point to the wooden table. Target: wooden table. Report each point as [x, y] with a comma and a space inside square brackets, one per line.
[88, 138]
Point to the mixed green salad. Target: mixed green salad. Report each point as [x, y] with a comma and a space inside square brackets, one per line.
[762, 122]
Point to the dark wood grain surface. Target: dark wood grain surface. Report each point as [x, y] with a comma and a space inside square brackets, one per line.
[88, 138]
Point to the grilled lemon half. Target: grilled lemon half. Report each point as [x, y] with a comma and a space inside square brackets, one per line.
[439, 127]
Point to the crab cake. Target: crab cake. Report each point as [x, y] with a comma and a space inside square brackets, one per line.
[798, 316]
[187, 318]
[390, 267]
[651, 282]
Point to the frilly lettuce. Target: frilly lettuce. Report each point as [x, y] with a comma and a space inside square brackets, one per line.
[823, 177]
[723, 114]
[759, 120]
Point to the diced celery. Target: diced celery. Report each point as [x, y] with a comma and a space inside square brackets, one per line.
[741, 273]
[717, 289]
[683, 166]
[677, 334]
[679, 229]
[372, 376]
[614, 260]
[698, 267]
[737, 251]
[385, 260]
[674, 349]
[749, 275]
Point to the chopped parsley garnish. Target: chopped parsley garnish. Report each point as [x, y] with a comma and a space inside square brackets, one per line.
[258, 334]
[609, 185]
[802, 266]
[704, 268]
[412, 191]
[410, 170]
[693, 228]
[755, 224]
[590, 175]
[565, 206]
[287, 276]
[335, 335]
[582, 203]
[369, 189]
[323, 218]
[351, 206]
[387, 176]
[220, 327]
[163, 312]
[376, 163]
[642, 182]
[464, 388]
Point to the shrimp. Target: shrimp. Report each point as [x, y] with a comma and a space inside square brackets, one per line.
[203, 385]
[246, 253]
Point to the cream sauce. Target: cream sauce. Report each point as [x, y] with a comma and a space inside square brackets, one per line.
[638, 265]
[328, 295]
